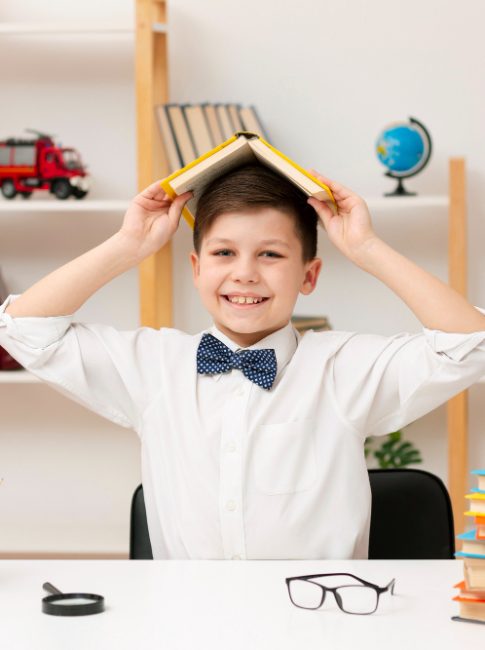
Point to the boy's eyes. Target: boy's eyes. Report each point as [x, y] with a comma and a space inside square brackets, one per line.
[225, 252]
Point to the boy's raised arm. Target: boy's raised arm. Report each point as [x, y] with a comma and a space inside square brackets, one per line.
[434, 303]
[149, 223]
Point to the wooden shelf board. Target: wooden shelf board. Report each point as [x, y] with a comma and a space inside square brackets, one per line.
[403, 202]
[54, 205]
[107, 205]
[83, 29]
[40, 28]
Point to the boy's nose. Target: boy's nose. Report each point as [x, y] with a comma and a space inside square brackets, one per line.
[245, 270]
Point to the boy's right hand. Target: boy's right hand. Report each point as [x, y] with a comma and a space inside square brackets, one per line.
[151, 220]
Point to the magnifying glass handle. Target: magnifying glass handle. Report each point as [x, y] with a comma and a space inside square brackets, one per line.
[51, 589]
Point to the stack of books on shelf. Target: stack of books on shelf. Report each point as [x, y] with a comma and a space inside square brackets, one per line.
[189, 131]
[316, 323]
[471, 596]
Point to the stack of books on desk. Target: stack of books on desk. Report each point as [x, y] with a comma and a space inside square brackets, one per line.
[472, 589]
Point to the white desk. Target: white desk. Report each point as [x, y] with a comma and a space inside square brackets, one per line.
[229, 605]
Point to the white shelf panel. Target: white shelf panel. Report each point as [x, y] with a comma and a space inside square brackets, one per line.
[411, 202]
[41, 29]
[83, 205]
[18, 377]
[114, 205]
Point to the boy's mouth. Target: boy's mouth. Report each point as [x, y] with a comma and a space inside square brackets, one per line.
[244, 301]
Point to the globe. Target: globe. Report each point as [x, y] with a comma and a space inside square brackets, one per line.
[404, 148]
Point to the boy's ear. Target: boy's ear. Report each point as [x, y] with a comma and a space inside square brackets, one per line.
[312, 271]
[194, 260]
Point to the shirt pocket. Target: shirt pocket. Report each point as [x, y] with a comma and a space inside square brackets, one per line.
[284, 457]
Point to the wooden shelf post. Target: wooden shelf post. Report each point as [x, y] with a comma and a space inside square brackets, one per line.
[458, 406]
[151, 70]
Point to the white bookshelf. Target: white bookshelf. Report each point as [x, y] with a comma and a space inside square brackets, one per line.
[95, 523]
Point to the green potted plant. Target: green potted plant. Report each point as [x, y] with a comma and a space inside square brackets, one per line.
[393, 453]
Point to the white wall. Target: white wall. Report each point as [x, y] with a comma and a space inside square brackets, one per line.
[325, 78]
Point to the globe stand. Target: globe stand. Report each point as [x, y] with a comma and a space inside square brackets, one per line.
[400, 189]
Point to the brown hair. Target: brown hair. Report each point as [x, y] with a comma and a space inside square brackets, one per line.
[251, 187]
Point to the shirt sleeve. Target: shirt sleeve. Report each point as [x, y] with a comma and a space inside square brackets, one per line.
[380, 384]
[113, 373]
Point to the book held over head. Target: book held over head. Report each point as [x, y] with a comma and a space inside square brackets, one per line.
[242, 148]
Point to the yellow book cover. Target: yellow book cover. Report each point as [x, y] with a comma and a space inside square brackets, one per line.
[242, 148]
[477, 502]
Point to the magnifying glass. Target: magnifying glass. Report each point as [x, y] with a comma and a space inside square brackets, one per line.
[75, 604]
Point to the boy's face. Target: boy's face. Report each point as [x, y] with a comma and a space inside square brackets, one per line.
[255, 255]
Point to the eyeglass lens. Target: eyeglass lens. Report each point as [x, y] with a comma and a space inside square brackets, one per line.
[353, 599]
[306, 594]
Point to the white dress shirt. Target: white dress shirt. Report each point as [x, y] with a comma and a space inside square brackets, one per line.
[231, 470]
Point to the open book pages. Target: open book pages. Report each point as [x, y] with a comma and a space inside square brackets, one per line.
[240, 149]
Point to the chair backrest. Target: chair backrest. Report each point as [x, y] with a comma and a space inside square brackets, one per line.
[140, 545]
[411, 518]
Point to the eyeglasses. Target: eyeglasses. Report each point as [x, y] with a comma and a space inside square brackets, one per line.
[361, 598]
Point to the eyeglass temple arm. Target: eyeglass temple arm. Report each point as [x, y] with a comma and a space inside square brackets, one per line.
[390, 586]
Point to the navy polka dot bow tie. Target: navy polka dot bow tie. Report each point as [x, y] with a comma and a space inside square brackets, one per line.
[213, 357]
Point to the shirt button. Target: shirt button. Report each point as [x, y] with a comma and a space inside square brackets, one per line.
[231, 447]
[231, 505]
[236, 557]
[239, 392]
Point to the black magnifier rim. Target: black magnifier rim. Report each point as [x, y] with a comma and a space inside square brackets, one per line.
[50, 605]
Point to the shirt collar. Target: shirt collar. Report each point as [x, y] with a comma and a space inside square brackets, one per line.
[284, 342]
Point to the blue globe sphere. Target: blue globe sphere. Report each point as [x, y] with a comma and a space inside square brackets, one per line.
[404, 148]
[400, 148]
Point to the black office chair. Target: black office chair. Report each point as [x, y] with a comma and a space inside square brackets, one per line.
[140, 545]
[411, 518]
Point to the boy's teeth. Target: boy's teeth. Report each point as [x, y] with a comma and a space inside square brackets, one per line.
[244, 299]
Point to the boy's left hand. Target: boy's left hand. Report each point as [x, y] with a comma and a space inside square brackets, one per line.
[350, 228]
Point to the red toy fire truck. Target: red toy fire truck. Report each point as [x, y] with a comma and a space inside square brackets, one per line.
[27, 165]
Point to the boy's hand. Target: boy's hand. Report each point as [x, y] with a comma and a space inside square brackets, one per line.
[350, 229]
[151, 219]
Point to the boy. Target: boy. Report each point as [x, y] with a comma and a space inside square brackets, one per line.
[251, 453]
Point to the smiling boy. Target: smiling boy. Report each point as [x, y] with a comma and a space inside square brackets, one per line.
[249, 273]
[252, 436]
